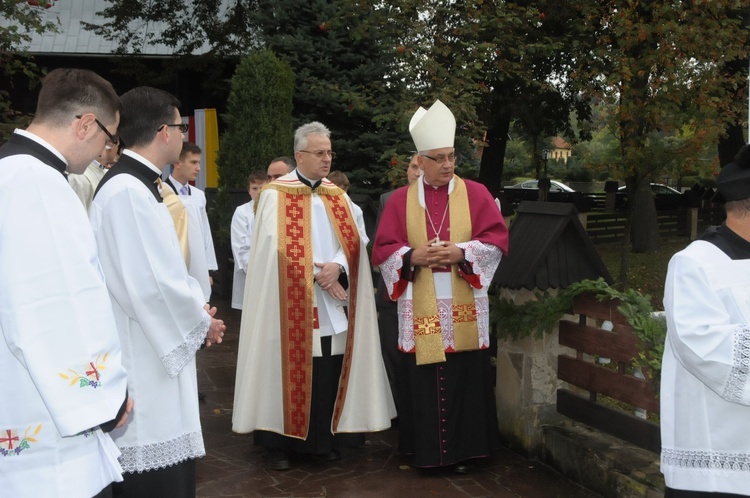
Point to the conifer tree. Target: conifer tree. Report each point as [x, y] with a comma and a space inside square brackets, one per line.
[259, 128]
[342, 58]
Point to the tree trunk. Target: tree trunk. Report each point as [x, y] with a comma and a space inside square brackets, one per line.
[491, 166]
[642, 213]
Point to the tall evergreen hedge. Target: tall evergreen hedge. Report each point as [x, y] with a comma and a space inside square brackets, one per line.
[259, 127]
[259, 118]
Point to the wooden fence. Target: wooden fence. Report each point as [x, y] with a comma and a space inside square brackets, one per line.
[614, 380]
[604, 227]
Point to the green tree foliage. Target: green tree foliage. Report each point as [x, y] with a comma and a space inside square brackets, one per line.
[363, 67]
[23, 20]
[195, 26]
[259, 118]
[207, 36]
[342, 59]
[492, 62]
[259, 127]
[656, 62]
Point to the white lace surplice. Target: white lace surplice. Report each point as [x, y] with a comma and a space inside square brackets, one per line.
[705, 397]
[484, 259]
[160, 320]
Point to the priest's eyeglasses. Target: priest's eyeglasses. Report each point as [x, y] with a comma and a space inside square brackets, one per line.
[112, 140]
[320, 154]
[442, 158]
[183, 127]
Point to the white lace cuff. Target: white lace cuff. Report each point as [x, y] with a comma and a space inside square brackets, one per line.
[484, 259]
[182, 354]
[737, 382]
[391, 267]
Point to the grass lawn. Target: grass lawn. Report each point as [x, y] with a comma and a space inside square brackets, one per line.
[646, 272]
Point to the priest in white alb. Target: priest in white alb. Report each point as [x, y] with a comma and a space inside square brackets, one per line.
[705, 394]
[309, 368]
[160, 310]
[438, 244]
[64, 384]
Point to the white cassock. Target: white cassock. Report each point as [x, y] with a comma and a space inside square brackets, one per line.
[241, 233]
[705, 395]
[84, 185]
[159, 313]
[202, 253]
[59, 355]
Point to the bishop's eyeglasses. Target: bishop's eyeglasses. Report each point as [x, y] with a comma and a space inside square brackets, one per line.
[442, 158]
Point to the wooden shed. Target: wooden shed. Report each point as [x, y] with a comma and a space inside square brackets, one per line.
[548, 249]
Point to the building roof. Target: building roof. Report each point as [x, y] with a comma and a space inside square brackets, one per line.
[548, 248]
[73, 39]
[560, 143]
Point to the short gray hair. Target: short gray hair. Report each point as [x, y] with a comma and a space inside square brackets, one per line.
[314, 128]
[739, 208]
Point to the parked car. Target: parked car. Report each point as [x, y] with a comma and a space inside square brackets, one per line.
[665, 197]
[554, 186]
[558, 192]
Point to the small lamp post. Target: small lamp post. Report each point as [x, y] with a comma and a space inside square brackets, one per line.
[544, 182]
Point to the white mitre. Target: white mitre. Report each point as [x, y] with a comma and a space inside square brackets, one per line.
[434, 128]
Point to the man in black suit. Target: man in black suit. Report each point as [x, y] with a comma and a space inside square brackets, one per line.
[387, 309]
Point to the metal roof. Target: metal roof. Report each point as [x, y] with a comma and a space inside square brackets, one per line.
[73, 39]
[548, 248]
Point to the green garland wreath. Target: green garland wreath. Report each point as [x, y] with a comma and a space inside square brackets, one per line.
[511, 321]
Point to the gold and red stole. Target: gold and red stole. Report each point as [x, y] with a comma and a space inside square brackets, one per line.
[428, 335]
[296, 295]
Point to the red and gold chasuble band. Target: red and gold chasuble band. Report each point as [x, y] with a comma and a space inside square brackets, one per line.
[296, 295]
[348, 235]
[428, 335]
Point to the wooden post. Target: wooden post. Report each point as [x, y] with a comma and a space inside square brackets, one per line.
[584, 219]
[610, 202]
[692, 219]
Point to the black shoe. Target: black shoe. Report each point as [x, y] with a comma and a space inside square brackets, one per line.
[465, 467]
[201, 396]
[278, 460]
[329, 457]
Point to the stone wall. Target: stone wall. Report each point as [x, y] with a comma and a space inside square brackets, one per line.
[529, 423]
[527, 386]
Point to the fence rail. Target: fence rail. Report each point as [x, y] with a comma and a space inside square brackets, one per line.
[615, 380]
[686, 222]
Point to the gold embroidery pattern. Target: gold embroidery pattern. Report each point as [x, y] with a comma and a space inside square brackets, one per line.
[463, 313]
[427, 325]
[348, 237]
[296, 307]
